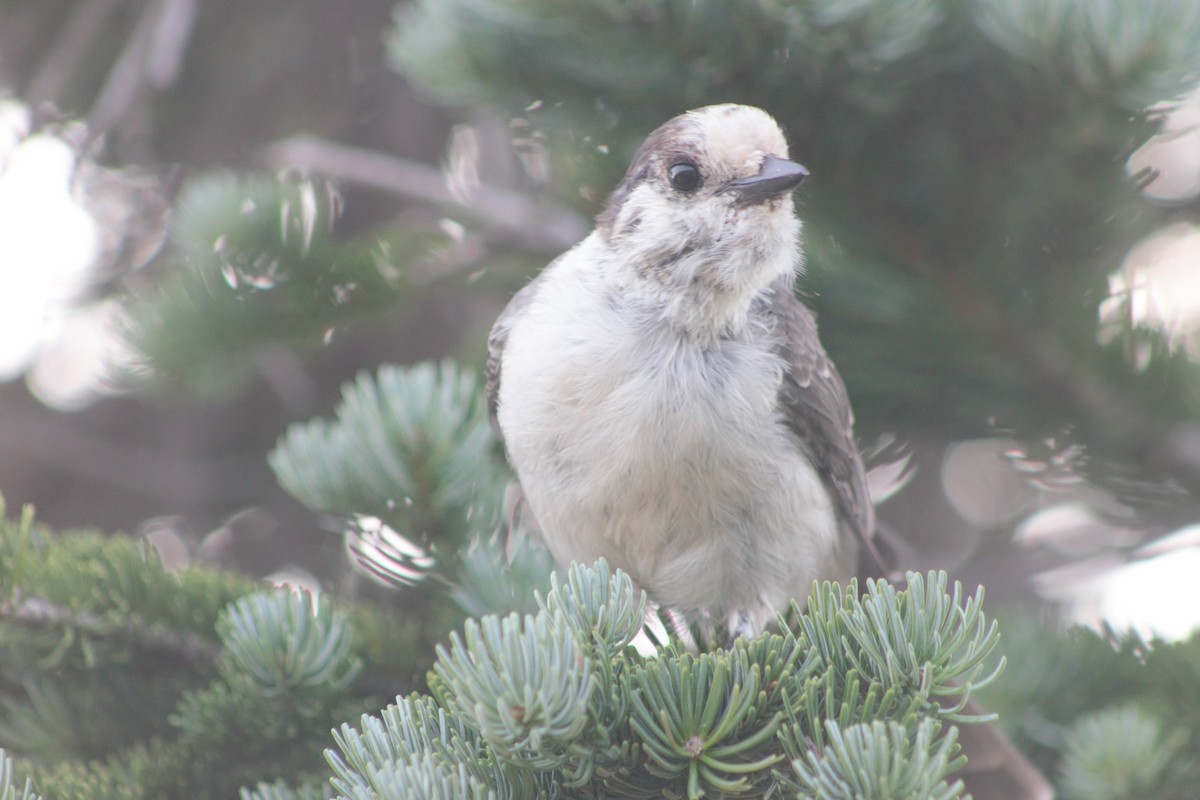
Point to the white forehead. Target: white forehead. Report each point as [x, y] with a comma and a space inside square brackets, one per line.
[736, 134]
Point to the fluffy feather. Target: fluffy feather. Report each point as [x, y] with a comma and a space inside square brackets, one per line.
[654, 402]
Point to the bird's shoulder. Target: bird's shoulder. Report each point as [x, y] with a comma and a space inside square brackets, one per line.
[518, 308]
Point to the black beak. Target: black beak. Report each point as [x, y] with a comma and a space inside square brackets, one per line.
[777, 176]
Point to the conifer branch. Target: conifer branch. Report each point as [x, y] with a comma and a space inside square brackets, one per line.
[38, 613]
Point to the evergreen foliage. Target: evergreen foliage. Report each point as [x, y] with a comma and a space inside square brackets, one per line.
[254, 262]
[560, 704]
[969, 191]
[10, 790]
[119, 679]
[410, 446]
[1115, 754]
[1106, 715]
[856, 695]
[901, 766]
[411, 462]
[281, 791]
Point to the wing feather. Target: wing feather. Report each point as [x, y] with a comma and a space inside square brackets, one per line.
[816, 409]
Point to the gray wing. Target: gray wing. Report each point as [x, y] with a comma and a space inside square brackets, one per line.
[817, 410]
[496, 341]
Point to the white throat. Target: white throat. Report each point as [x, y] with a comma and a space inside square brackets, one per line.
[706, 275]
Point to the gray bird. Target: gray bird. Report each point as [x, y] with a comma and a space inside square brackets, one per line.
[663, 396]
[667, 405]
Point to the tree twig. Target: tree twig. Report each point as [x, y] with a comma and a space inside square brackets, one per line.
[74, 42]
[151, 57]
[530, 224]
[34, 612]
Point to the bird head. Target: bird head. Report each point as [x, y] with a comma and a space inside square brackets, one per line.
[703, 219]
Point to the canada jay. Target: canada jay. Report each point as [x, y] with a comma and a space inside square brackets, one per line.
[663, 396]
[666, 403]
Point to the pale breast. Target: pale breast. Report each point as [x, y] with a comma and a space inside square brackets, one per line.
[668, 459]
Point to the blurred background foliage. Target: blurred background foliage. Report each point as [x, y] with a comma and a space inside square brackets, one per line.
[213, 216]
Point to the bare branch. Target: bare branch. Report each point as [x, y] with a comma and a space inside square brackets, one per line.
[74, 43]
[528, 223]
[169, 42]
[35, 612]
[151, 57]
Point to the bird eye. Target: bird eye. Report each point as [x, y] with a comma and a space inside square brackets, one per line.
[684, 176]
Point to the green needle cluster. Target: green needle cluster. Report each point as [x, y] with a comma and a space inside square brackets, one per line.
[841, 702]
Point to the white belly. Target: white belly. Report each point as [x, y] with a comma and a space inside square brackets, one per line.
[669, 461]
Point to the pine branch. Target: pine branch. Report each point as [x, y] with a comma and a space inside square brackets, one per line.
[254, 263]
[1119, 753]
[1097, 709]
[410, 446]
[281, 791]
[558, 701]
[121, 680]
[410, 462]
[181, 645]
[289, 644]
[911, 767]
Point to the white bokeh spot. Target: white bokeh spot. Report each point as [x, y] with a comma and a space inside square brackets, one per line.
[47, 245]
